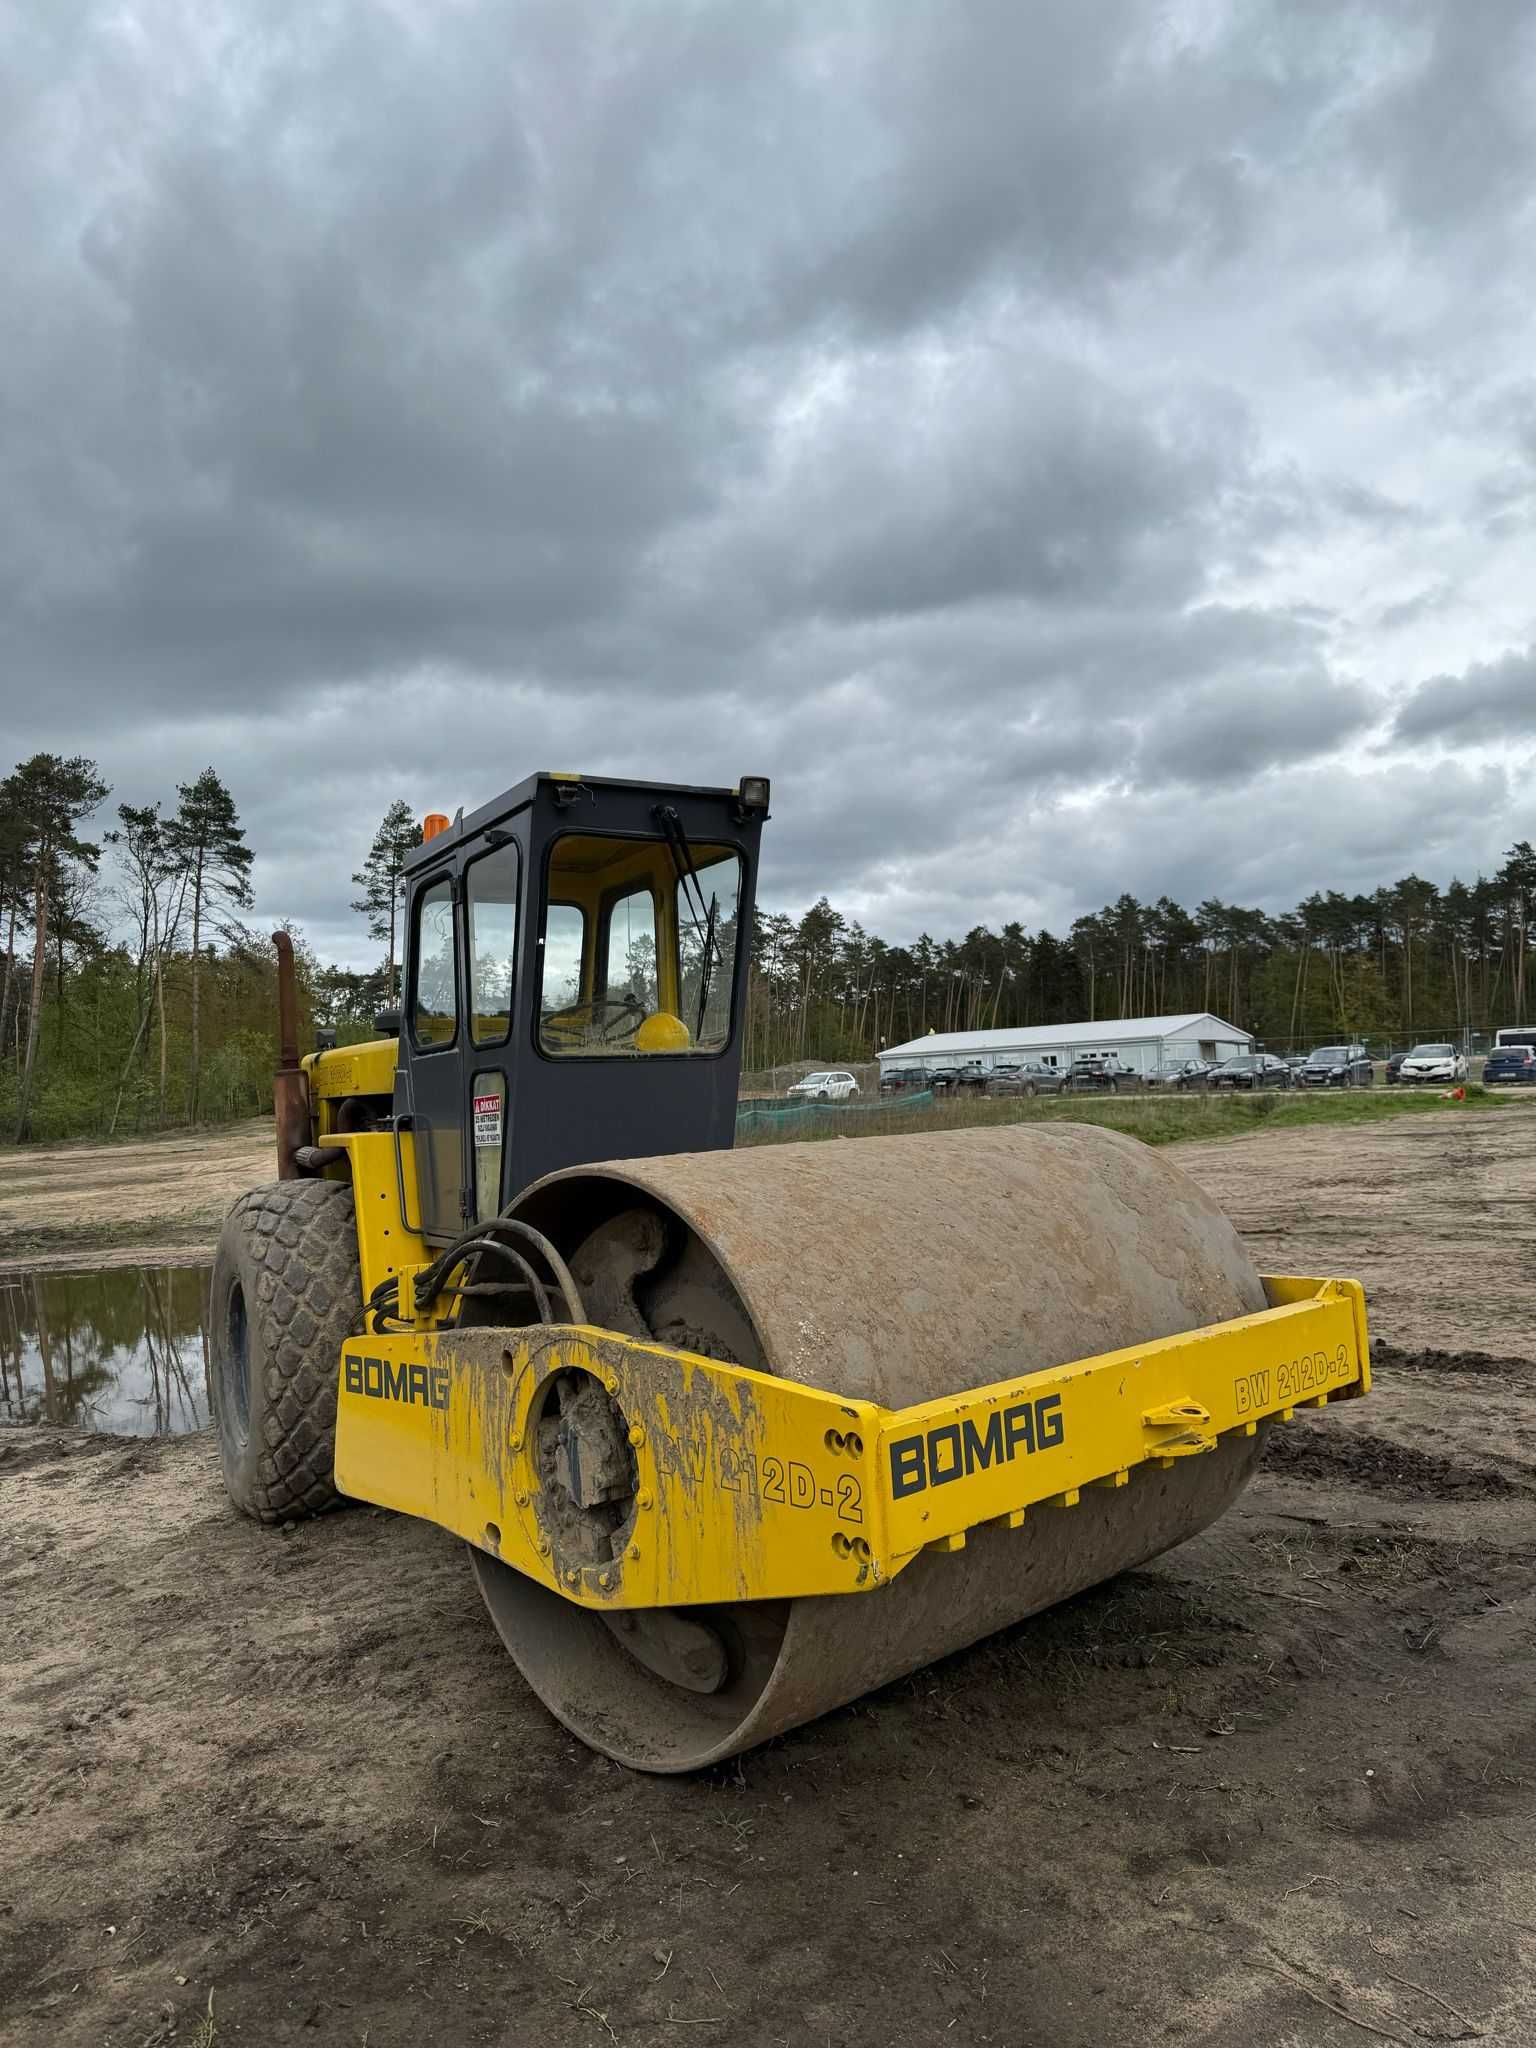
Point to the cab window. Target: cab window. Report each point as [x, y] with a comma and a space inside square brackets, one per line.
[631, 951]
[491, 884]
[639, 947]
[435, 1000]
[565, 934]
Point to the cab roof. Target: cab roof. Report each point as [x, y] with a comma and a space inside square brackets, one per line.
[523, 793]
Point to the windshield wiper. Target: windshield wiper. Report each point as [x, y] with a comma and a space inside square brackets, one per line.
[707, 966]
[691, 891]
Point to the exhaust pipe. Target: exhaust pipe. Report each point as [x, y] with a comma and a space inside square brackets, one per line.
[290, 1087]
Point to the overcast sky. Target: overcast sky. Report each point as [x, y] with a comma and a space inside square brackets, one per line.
[1071, 447]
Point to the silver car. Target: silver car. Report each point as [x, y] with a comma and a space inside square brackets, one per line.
[1024, 1077]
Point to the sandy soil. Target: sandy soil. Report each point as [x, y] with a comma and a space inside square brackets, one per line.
[159, 1201]
[1437, 1214]
[1275, 1790]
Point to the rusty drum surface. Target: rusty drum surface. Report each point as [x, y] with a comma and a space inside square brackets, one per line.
[893, 1270]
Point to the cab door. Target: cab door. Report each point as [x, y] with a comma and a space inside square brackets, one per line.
[492, 881]
[435, 1027]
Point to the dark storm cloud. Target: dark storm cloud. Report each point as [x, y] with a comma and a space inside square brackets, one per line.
[1220, 734]
[927, 485]
[1494, 701]
[997, 421]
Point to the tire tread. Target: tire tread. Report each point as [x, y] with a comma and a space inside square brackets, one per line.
[301, 1238]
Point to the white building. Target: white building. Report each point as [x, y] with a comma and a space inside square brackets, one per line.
[1141, 1043]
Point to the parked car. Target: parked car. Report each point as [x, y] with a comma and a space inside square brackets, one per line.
[951, 1080]
[1250, 1070]
[1184, 1076]
[1295, 1061]
[833, 1086]
[905, 1080]
[1338, 1066]
[1394, 1067]
[1433, 1063]
[1025, 1077]
[1097, 1074]
[1510, 1063]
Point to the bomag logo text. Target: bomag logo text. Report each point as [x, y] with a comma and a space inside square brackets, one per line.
[381, 1379]
[957, 1449]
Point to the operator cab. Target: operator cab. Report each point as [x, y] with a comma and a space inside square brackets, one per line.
[575, 980]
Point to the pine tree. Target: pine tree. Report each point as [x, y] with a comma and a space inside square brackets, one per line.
[50, 796]
[380, 879]
[206, 836]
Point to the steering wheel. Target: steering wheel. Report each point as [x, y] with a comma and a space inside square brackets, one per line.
[609, 1017]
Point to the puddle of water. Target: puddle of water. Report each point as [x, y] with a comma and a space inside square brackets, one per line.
[123, 1351]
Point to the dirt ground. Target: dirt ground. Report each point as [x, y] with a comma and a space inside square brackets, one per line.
[160, 1201]
[1275, 1790]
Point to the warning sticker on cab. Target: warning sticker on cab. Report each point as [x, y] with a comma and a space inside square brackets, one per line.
[487, 1121]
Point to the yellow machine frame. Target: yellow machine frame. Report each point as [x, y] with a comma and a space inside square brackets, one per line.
[752, 1487]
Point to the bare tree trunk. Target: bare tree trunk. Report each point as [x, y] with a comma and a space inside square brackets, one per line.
[10, 975]
[39, 969]
[122, 1083]
[160, 1011]
[197, 920]
[58, 992]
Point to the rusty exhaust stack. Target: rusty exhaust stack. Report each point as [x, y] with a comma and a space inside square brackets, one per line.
[290, 1087]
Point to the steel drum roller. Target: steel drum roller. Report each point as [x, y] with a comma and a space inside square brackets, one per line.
[894, 1270]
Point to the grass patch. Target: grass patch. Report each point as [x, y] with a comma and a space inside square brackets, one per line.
[1155, 1119]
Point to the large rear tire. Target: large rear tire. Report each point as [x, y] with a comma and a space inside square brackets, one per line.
[284, 1298]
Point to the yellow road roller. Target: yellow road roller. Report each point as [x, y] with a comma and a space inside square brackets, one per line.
[732, 1437]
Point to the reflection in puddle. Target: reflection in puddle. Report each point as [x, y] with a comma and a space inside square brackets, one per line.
[123, 1351]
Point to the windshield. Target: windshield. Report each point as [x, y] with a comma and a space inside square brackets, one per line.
[1329, 1056]
[638, 946]
[1433, 1052]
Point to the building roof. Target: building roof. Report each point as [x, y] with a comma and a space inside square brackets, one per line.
[1106, 1031]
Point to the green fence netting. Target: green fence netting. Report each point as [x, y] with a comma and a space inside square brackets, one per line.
[751, 1116]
